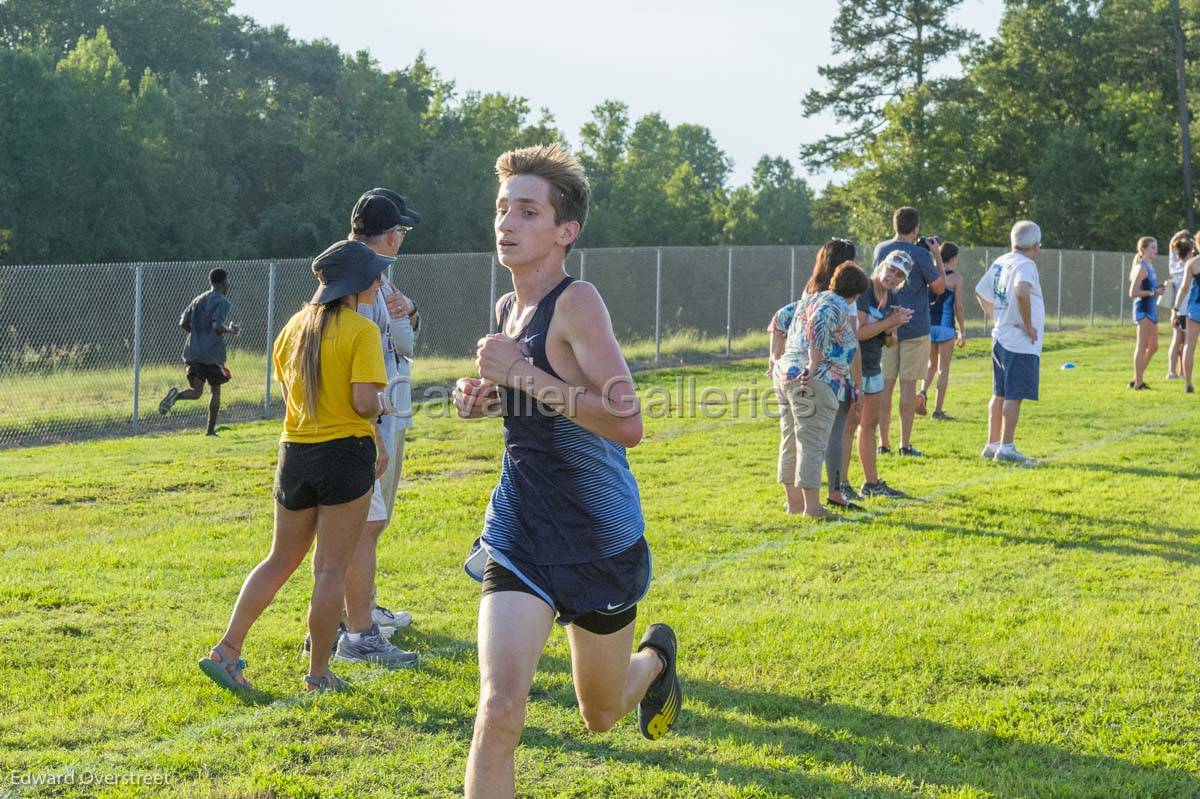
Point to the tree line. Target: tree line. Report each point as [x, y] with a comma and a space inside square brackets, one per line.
[176, 129]
[1070, 115]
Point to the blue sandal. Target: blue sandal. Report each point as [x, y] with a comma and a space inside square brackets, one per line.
[330, 682]
[224, 670]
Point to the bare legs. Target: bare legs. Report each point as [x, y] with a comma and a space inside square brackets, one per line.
[1147, 345]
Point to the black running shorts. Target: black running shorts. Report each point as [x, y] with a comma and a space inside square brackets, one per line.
[209, 373]
[328, 473]
[600, 597]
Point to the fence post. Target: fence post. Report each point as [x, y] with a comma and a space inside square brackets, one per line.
[271, 338]
[1060, 291]
[492, 301]
[583, 264]
[1120, 291]
[137, 346]
[792, 281]
[1092, 298]
[657, 304]
[729, 306]
[987, 264]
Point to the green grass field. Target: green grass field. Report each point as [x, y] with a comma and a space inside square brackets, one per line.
[1005, 633]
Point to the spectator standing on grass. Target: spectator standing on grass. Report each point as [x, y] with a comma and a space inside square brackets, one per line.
[1187, 304]
[381, 219]
[1011, 292]
[878, 318]
[329, 362]
[1144, 290]
[204, 351]
[908, 361]
[1180, 249]
[947, 329]
[841, 435]
[817, 366]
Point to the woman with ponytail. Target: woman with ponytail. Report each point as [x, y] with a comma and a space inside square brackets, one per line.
[329, 361]
[1144, 290]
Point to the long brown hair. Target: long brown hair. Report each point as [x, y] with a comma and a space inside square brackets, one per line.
[313, 324]
[835, 252]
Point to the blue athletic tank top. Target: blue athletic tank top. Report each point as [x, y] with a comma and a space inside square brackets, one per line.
[566, 495]
[941, 306]
[1193, 309]
[1147, 305]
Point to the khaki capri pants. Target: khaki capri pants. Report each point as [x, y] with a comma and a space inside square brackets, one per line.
[804, 424]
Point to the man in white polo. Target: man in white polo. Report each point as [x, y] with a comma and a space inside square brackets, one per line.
[1011, 292]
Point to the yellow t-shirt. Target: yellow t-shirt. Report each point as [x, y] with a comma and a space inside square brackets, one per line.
[351, 352]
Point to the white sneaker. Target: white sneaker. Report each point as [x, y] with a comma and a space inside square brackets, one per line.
[390, 621]
[1174, 376]
[989, 451]
[1012, 456]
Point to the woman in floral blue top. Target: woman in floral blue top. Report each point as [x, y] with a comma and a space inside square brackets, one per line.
[813, 374]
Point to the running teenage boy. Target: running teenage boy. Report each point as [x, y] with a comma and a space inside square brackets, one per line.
[563, 533]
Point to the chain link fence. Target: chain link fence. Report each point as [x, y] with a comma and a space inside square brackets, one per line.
[89, 349]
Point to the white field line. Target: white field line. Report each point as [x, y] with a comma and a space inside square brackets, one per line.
[245, 719]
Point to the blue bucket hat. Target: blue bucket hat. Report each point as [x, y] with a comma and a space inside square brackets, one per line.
[347, 267]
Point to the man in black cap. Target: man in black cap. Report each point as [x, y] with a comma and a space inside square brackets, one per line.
[204, 350]
[381, 218]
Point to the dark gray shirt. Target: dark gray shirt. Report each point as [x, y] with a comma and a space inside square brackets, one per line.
[915, 293]
[205, 345]
[872, 348]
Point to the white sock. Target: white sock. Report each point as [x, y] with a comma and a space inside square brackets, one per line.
[992, 446]
[354, 638]
[1007, 448]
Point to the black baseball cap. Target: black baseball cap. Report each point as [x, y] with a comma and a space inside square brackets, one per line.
[345, 268]
[380, 210]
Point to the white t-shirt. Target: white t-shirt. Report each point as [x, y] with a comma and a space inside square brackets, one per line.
[998, 286]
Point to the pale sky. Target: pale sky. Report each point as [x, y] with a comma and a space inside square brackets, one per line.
[738, 68]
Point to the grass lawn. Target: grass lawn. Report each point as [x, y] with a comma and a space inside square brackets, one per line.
[1005, 633]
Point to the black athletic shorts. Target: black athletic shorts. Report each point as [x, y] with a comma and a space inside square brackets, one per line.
[209, 373]
[328, 473]
[600, 597]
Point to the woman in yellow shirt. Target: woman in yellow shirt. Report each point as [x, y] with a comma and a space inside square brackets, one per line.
[329, 361]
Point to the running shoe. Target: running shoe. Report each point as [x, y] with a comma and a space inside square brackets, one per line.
[911, 452]
[659, 708]
[849, 493]
[884, 451]
[1142, 387]
[1174, 376]
[373, 647]
[1012, 456]
[390, 621]
[1132, 384]
[1189, 390]
[165, 405]
[989, 451]
[940, 416]
[881, 489]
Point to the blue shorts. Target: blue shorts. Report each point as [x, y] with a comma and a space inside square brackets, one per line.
[1142, 312]
[873, 384]
[938, 334]
[1014, 374]
[1193, 312]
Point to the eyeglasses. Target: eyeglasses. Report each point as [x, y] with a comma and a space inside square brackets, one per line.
[402, 229]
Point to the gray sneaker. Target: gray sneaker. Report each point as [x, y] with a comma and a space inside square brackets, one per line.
[848, 493]
[1012, 456]
[372, 647]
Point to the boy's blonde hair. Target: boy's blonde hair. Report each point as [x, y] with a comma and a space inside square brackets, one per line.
[570, 191]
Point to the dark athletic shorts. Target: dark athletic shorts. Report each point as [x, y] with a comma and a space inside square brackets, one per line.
[600, 597]
[328, 473]
[209, 373]
[1014, 374]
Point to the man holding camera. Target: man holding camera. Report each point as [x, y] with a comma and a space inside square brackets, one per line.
[908, 360]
